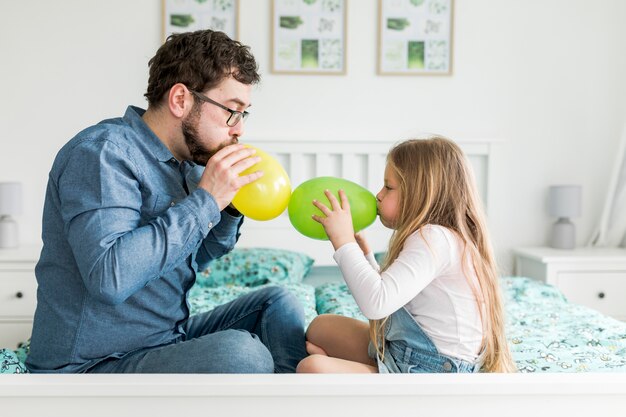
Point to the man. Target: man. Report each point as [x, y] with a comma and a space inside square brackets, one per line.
[134, 206]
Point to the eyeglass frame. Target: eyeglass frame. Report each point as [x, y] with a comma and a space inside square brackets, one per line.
[239, 115]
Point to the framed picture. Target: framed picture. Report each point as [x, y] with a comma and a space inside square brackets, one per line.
[189, 15]
[415, 37]
[309, 36]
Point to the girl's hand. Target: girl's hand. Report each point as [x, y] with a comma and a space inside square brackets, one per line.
[338, 220]
[363, 243]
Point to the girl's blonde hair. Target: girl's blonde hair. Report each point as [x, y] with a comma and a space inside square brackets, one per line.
[436, 186]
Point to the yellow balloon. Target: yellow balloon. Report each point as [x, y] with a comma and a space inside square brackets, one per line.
[267, 197]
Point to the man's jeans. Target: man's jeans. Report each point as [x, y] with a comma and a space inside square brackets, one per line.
[261, 332]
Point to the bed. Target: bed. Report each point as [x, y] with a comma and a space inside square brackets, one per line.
[545, 331]
[570, 358]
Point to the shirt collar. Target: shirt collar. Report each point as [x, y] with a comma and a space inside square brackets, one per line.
[158, 149]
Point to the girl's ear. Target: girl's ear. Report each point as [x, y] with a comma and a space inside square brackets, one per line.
[179, 100]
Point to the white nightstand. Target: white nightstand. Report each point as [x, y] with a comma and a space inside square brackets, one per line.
[594, 277]
[18, 293]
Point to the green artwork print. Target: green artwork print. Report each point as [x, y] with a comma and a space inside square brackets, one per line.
[290, 22]
[222, 5]
[181, 20]
[310, 48]
[308, 36]
[397, 24]
[416, 55]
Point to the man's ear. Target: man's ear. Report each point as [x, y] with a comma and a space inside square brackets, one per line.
[179, 100]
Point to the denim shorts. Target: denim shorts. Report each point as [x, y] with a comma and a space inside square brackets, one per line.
[412, 360]
[410, 350]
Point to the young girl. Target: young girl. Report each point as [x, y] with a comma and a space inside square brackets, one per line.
[434, 306]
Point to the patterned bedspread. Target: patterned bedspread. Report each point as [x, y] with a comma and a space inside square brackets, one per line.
[546, 332]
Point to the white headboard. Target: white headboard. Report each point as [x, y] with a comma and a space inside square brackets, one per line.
[361, 162]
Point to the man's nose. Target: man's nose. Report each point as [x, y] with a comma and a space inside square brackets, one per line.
[237, 130]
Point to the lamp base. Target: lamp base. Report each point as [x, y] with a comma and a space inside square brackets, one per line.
[9, 236]
[563, 234]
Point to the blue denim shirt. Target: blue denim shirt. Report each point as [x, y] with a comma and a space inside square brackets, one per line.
[122, 241]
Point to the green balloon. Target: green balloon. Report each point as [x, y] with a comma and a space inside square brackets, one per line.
[362, 205]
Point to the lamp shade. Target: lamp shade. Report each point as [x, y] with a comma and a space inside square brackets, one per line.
[565, 200]
[10, 198]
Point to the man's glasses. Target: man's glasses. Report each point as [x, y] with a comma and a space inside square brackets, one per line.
[235, 116]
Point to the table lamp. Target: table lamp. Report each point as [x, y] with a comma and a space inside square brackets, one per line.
[10, 204]
[564, 202]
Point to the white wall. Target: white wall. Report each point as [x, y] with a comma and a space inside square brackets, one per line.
[545, 76]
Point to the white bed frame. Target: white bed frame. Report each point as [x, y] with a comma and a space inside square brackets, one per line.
[314, 395]
[437, 395]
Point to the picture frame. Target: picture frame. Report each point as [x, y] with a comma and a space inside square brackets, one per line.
[190, 15]
[309, 36]
[415, 37]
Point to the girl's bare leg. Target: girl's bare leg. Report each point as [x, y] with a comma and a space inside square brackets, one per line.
[340, 337]
[320, 364]
[312, 349]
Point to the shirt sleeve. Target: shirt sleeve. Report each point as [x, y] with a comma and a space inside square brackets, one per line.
[378, 295]
[220, 240]
[372, 260]
[119, 251]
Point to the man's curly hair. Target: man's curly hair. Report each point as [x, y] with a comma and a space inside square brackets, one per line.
[200, 60]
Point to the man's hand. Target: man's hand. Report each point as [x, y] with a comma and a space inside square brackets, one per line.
[338, 220]
[221, 175]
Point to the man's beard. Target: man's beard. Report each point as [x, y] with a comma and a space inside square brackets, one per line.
[199, 153]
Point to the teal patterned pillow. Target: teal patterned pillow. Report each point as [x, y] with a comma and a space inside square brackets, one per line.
[10, 363]
[335, 298]
[251, 267]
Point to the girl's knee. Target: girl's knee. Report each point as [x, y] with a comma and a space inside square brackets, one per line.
[312, 364]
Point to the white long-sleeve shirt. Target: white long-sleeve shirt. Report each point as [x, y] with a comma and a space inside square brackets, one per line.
[428, 280]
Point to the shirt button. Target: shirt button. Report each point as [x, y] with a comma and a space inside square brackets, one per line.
[447, 366]
[172, 204]
[210, 225]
